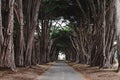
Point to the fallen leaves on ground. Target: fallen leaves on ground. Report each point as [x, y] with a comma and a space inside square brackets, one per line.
[24, 73]
[94, 73]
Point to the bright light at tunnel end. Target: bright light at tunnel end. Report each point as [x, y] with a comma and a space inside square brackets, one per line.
[61, 56]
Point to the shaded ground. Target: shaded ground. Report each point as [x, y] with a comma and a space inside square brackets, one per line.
[24, 73]
[91, 73]
[61, 71]
[94, 73]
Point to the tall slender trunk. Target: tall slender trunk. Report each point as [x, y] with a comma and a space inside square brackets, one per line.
[7, 54]
[1, 28]
[117, 24]
[31, 24]
[104, 31]
[20, 55]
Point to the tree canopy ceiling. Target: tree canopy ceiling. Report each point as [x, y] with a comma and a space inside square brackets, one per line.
[60, 8]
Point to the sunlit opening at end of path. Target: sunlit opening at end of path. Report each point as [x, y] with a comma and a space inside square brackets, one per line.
[61, 56]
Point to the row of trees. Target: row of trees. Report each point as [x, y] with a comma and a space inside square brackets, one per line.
[24, 33]
[95, 37]
[93, 23]
[28, 37]
[94, 32]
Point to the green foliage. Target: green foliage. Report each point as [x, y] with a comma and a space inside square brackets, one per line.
[62, 36]
[61, 32]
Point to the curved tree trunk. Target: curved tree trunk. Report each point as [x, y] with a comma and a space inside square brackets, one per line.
[32, 21]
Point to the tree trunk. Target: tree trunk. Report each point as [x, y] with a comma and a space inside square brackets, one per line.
[1, 28]
[7, 53]
[117, 24]
[31, 25]
[21, 44]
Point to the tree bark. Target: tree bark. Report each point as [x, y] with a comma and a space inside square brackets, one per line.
[31, 25]
[7, 54]
[21, 44]
[1, 28]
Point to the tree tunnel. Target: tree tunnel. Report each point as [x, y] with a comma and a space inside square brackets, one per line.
[35, 31]
[61, 33]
